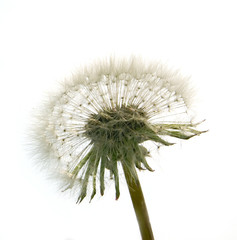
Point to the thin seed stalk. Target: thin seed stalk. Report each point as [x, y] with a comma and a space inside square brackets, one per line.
[139, 204]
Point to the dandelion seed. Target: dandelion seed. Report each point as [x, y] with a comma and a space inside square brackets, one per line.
[101, 120]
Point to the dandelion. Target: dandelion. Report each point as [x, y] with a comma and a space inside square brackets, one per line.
[101, 119]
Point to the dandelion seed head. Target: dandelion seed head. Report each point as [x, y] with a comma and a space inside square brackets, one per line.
[105, 114]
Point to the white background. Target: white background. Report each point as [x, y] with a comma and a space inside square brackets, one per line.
[192, 194]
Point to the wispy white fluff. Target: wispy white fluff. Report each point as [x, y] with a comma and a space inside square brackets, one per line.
[59, 129]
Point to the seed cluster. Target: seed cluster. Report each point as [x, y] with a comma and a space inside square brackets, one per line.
[103, 116]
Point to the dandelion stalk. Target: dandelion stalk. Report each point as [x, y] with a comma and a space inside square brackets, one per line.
[139, 205]
[104, 117]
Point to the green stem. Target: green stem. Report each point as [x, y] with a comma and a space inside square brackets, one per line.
[139, 204]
